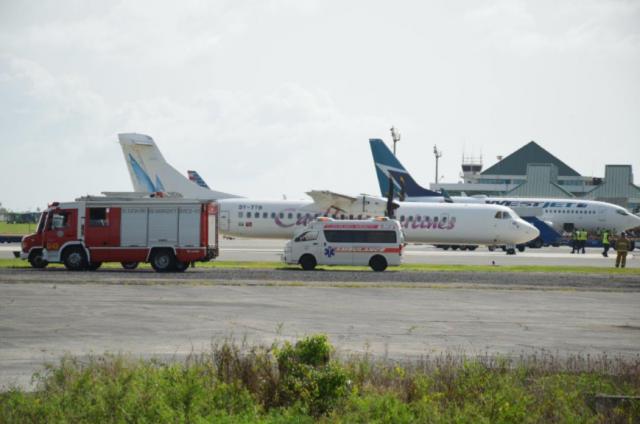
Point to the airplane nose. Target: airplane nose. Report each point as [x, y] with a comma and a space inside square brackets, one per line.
[528, 232]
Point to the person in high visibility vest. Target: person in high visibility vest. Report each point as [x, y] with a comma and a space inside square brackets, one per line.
[582, 236]
[574, 241]
[622, 247]
[605, 243]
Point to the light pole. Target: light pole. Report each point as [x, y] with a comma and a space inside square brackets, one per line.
[395, 135]
[438, 154]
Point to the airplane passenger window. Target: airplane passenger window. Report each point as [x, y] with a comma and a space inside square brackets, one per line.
[410, 218]
[248, 214]
[401, 218]
[273, 214]
[418, 218]
[240, 214]
[265, 215]
[299, 215]
[289, 215]
[281, 214]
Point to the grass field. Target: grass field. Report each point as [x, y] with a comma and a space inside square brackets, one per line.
[17, 263]
[305, 383]
[17, 229]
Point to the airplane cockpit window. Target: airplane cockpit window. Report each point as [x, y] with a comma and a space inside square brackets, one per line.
[498, 215]
[622, 212]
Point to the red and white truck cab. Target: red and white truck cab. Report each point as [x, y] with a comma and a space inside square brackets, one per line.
[129, 228]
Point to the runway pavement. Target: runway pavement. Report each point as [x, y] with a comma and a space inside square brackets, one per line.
[44, 314]
[270, 250]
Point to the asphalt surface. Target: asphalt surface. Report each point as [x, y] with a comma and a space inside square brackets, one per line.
[45, 314]
[271, 250]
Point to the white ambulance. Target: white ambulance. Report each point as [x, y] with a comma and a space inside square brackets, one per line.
[376, 242]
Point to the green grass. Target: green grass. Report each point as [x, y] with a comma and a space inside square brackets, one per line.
[17, 229]
[305, 382]
[17, 263]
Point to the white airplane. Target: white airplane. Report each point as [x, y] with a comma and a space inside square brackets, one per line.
[242, 217]
[560, 214]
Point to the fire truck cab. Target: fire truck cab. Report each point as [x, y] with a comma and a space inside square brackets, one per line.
[169, 232]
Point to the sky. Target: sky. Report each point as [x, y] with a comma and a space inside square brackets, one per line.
[270, 98]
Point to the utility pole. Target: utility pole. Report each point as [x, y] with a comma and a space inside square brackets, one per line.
[395, 135]
[438, 154]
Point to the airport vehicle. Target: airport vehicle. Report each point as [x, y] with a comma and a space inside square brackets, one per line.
[129, 228]
[560, 214]
[375, 242]
[422, 222]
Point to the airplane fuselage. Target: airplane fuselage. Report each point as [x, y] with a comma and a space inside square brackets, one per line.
[422, 222]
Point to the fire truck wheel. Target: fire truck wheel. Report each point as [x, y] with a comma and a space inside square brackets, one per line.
[129, 265]
[163, 261]
[308, 262]
[74, 259]
[36, 260]
[181, 266]
[378, 263]
[94, 265]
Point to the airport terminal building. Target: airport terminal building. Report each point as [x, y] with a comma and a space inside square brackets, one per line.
[532, 171]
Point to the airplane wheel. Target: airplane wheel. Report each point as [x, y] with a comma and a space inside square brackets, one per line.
[472, 248]
[510, 251]
[520, 248]
[308, 262]
[378, 263]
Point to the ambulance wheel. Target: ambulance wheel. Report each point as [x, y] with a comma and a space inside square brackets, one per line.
[93, 266]
[129, 265]
[307, 262]
[36, 260]
[181, 266]
[74, 259]
[163, 261]
[378, 263]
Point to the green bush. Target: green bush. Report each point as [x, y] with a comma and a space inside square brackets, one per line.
[303, 383]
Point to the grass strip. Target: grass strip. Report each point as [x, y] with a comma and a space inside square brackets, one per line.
[258, 265]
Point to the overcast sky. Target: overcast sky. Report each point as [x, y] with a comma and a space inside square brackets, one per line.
[266, 98]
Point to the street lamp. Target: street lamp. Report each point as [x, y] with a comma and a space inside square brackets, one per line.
[438, 154]
[395, 135]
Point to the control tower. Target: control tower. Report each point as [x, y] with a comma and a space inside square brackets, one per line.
[471, 168]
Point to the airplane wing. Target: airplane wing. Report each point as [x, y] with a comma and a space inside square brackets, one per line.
[336, 202]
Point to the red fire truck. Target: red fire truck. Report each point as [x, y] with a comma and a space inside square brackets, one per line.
[168, 232]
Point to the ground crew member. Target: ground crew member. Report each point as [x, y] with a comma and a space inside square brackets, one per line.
[574, 241]
[582, 236]
[622, 247]
[605, 243]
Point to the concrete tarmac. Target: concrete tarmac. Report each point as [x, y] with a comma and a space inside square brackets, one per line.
[271, 250]
[45, 314]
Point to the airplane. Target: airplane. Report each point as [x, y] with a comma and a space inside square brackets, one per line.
[560, 214]
[243, 217]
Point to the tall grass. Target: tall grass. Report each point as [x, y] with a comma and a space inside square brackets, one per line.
[305, 382]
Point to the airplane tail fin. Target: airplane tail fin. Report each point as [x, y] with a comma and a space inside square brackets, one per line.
[388, 168]
[150, 172]
[196, 178]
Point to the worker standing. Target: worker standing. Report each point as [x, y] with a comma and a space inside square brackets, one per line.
[622, 247]
[574, 240]
[583, 235]
[605, 243]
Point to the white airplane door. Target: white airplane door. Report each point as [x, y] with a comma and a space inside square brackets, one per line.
[225, 223]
